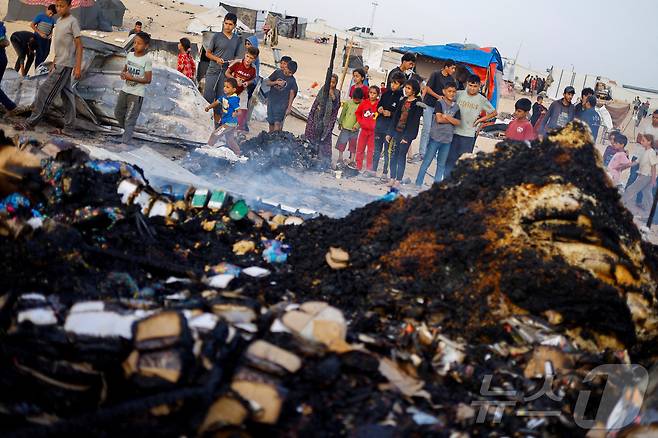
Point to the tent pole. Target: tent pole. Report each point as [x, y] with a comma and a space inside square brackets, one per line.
[346, 65]
[557, 91]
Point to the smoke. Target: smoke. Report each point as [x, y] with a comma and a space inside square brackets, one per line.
[296, 188]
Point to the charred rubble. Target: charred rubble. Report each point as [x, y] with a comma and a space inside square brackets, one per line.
[125, 310]
[266, 151]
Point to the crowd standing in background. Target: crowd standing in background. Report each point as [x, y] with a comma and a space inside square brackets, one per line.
[376, 123]
[533, 84]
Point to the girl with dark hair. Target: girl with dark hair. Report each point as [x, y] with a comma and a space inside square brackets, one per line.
[186, 63]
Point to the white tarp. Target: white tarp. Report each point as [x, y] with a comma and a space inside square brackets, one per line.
[212, 21]
[155, 166]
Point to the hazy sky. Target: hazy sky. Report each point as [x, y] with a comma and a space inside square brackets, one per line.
[613, 38]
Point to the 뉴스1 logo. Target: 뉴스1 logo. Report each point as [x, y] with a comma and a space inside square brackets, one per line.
[617, 406]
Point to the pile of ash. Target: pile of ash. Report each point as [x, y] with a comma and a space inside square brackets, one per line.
[534, 229]
[477, 308]
[264, 152]
[280, 149]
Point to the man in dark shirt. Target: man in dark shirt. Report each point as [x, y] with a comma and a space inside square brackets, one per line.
[559, 113]
[136, 29]
[25, 46]
[433, 91]
[583, 97]
[406, 68]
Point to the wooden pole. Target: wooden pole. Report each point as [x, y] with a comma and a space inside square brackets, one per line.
[347, 63]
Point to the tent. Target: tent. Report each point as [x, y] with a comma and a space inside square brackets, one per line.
[288, 26]
[254, 18]
[212, 21]
[113, 11]
[91, 14]
[482, 61]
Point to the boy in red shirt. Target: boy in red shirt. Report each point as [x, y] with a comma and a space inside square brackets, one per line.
[520, 129]
[366, 116]
[245, 74]
[185, 61]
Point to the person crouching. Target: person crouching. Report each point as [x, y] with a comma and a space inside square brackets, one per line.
[226, 116]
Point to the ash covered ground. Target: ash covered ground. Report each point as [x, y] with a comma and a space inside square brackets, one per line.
[383, 323]
[283, 169]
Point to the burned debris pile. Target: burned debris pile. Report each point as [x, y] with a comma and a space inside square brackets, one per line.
[535, 229]
[280, 149]
[126, 310]
[264, 152]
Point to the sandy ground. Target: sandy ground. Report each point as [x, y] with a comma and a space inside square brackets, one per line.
[167, 20]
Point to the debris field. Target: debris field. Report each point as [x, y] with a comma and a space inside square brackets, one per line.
[126, 310]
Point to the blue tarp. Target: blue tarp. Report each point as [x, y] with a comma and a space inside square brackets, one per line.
[471, 58]
[459, 53]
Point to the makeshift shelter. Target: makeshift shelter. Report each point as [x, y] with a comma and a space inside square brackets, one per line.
[254, 18]
[618, 113]
[288, 25]
[91, 14]
[112, 10]
[212, 21]
[485, 62]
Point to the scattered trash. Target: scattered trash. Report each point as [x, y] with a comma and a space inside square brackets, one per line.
[238, 211]
[128, 309]
[337, 258]
[275, 251]
[391, 196]
[244, 246]
[256, 272]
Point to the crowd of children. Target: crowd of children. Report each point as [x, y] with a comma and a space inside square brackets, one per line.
[237, 75]
[376, 123]
[381, 122]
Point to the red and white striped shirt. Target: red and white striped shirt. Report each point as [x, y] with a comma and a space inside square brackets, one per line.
[186, 65]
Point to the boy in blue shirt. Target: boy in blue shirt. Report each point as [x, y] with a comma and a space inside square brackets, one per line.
[43, 25]
[226, 117]
[590, 116]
